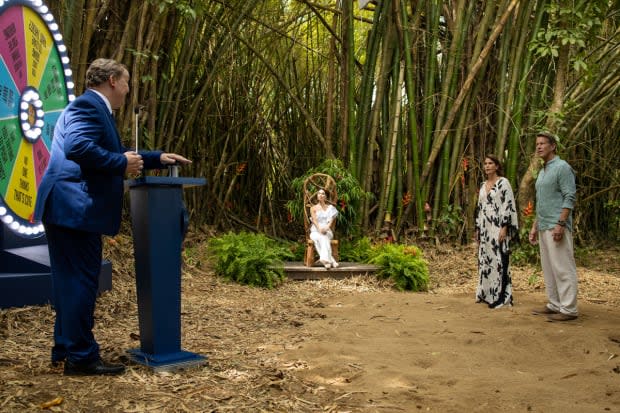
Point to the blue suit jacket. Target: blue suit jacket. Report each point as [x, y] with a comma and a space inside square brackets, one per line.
[82, 187]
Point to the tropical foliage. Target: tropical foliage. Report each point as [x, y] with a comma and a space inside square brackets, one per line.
[247, 258]
[357, 250]
[408, 95]
[403, 264]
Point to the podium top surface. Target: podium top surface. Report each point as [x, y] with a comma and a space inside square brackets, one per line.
[165, 181]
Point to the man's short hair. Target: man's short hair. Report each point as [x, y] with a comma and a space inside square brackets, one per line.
[551, 138]
[100, 70]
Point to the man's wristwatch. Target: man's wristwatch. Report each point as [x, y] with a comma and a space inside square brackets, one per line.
[561, 222]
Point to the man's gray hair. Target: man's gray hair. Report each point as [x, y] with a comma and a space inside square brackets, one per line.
[100, 70]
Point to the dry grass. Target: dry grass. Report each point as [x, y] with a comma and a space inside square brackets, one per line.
[239, 328]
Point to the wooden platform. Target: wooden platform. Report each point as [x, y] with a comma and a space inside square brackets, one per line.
[298, 271]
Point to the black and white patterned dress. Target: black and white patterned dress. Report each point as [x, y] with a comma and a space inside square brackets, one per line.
[495, 209]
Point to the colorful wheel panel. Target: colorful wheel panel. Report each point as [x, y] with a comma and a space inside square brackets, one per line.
[35, 86]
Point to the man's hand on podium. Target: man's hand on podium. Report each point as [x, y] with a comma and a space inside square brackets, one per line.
[172, 158]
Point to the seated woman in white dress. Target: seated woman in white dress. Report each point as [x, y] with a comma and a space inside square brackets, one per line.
[323, 218]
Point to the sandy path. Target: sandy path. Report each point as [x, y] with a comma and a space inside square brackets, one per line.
[414, 352]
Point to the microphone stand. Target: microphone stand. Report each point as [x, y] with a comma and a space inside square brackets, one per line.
[136, 111]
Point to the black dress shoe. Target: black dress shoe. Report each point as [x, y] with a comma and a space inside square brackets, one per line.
[95, 368]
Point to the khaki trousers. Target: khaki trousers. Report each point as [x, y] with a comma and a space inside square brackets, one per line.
[560, 271]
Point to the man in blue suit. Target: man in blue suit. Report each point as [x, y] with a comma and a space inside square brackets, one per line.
[79, 200]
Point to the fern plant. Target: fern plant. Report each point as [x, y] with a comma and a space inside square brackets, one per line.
[355, 250]
[403, 264]
[251, 259]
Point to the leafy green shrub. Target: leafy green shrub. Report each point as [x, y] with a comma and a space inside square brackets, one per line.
[251, 259]
[297, 249]
[404, 264]
[613, 212]
[355, 251]
[449, 224]
[523, 252]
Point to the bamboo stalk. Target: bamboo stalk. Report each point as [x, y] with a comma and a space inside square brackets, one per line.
[465, 89]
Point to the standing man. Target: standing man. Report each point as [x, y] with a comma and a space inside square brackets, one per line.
[553, 229]
[79, 200]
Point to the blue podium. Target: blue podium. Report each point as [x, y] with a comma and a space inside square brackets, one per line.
[159, 223]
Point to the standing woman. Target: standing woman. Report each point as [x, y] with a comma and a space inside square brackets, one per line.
[323, 219]
[496, 228]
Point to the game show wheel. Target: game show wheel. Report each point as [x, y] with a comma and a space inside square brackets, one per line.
[35, 86]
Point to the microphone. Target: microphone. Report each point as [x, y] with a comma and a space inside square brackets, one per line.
[173, 169]
[136, 111]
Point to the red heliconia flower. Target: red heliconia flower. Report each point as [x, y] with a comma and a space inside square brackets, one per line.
[407, 198]
[241, 168]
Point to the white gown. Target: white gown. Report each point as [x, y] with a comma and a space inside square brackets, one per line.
[322, 242]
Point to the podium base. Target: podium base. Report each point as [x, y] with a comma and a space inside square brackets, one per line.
[167, 362]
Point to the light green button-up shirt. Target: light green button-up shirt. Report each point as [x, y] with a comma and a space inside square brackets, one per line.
[555, 190]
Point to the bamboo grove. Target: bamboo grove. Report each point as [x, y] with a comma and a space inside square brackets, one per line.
[409, 95]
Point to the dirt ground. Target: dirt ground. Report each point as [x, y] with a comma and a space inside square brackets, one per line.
[353, 345]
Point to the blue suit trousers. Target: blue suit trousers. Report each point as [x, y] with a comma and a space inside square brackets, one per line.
[75, 258]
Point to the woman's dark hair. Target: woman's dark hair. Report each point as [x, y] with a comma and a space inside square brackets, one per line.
[497, 162]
